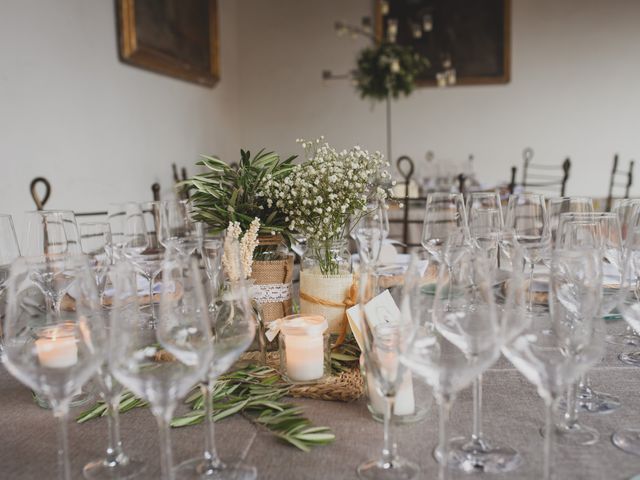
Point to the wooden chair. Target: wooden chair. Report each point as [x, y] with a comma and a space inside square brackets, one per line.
[541, 176]
[613, 183]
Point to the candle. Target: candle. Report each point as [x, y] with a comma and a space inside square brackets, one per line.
[404, 403]
[305, 357]
[302, 347]
[56, 348]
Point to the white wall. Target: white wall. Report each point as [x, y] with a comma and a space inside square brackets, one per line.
[574, 89]
[99, 130]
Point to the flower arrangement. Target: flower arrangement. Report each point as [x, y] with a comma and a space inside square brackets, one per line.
[226, 193]
[234, 246]
[388, 70]
[320, 196]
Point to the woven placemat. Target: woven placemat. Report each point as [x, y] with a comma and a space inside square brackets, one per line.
[346, 386]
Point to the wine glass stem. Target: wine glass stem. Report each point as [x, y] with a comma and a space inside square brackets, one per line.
[210, 453]
[151, 276]
[549, 439]
[533, 265]
[64, 467]
[166, 455]
[444, 402]
[389, 446]
[571, 415]
[114, 448]
[476, 436]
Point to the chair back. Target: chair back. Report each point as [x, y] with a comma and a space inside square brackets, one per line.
[618, 176]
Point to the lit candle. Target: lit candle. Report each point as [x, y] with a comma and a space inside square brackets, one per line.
[56, 347]
[304, 347]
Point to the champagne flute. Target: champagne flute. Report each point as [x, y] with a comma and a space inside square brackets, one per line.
[233, 325]
[485, 223]
[9, 251]
[527, 217]
[384, 340]
[95, 238]
[54, 352]
[161, 364]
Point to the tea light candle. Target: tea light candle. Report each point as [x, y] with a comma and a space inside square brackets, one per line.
[302, 346]
[57, 348]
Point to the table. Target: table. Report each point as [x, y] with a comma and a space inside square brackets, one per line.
[513, 414]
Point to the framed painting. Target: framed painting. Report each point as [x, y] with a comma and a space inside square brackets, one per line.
[178, 38]
[473, 37]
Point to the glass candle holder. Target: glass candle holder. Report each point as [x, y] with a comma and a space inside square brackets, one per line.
[305, 356]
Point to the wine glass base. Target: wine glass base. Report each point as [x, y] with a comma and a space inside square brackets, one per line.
[123, 469]
[576, 435]
[480, 456]
[598, 402]
[628, 440]
[624, 339]
[399, 469]
[228, 469]
[631, 358]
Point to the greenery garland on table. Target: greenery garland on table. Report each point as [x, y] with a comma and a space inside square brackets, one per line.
[388, 70]
[256, 392]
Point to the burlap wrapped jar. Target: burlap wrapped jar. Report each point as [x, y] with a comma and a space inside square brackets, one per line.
[326, 283]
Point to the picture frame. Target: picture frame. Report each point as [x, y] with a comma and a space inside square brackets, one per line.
[178, 38]
[476, 36]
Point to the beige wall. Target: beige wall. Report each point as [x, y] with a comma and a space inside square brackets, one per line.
[99, 130]
[574, 89]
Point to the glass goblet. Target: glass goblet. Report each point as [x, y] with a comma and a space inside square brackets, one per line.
[9, 252]
[161, 365]
[53, 352]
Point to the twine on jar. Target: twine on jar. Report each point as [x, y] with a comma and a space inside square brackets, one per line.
[350, 301]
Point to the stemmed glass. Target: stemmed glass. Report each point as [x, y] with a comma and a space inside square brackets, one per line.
[233, 328]
[50, 231]
[384, 342]
[479, 454]
[485, 223]
[175, 226]
[161, 364]
[445, 220]
[461, 343]
[626, 210]
[560, 205]
[371, 232]
[603, 231]
[527, 217]
[97, 244]
[53, 352]
[9, 251]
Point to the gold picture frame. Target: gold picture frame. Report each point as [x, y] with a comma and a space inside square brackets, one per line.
[178, 38]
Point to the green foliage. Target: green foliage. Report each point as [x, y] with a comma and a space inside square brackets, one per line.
[226, 193]
[388, 70]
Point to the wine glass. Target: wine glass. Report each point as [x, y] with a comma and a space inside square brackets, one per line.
[384, 340]
[53, 352]
[233, 325]
[543, 360]
[601, 230]
[626, 209]
[9, 251]
[371, 232]
[461, 342]
[477, 453]
[161, 364]
[445, 220]
[560, 205]
[50, 232]
[95, 238]
[575, 299]
[527, 217]
[175, 226]
[485, 223]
